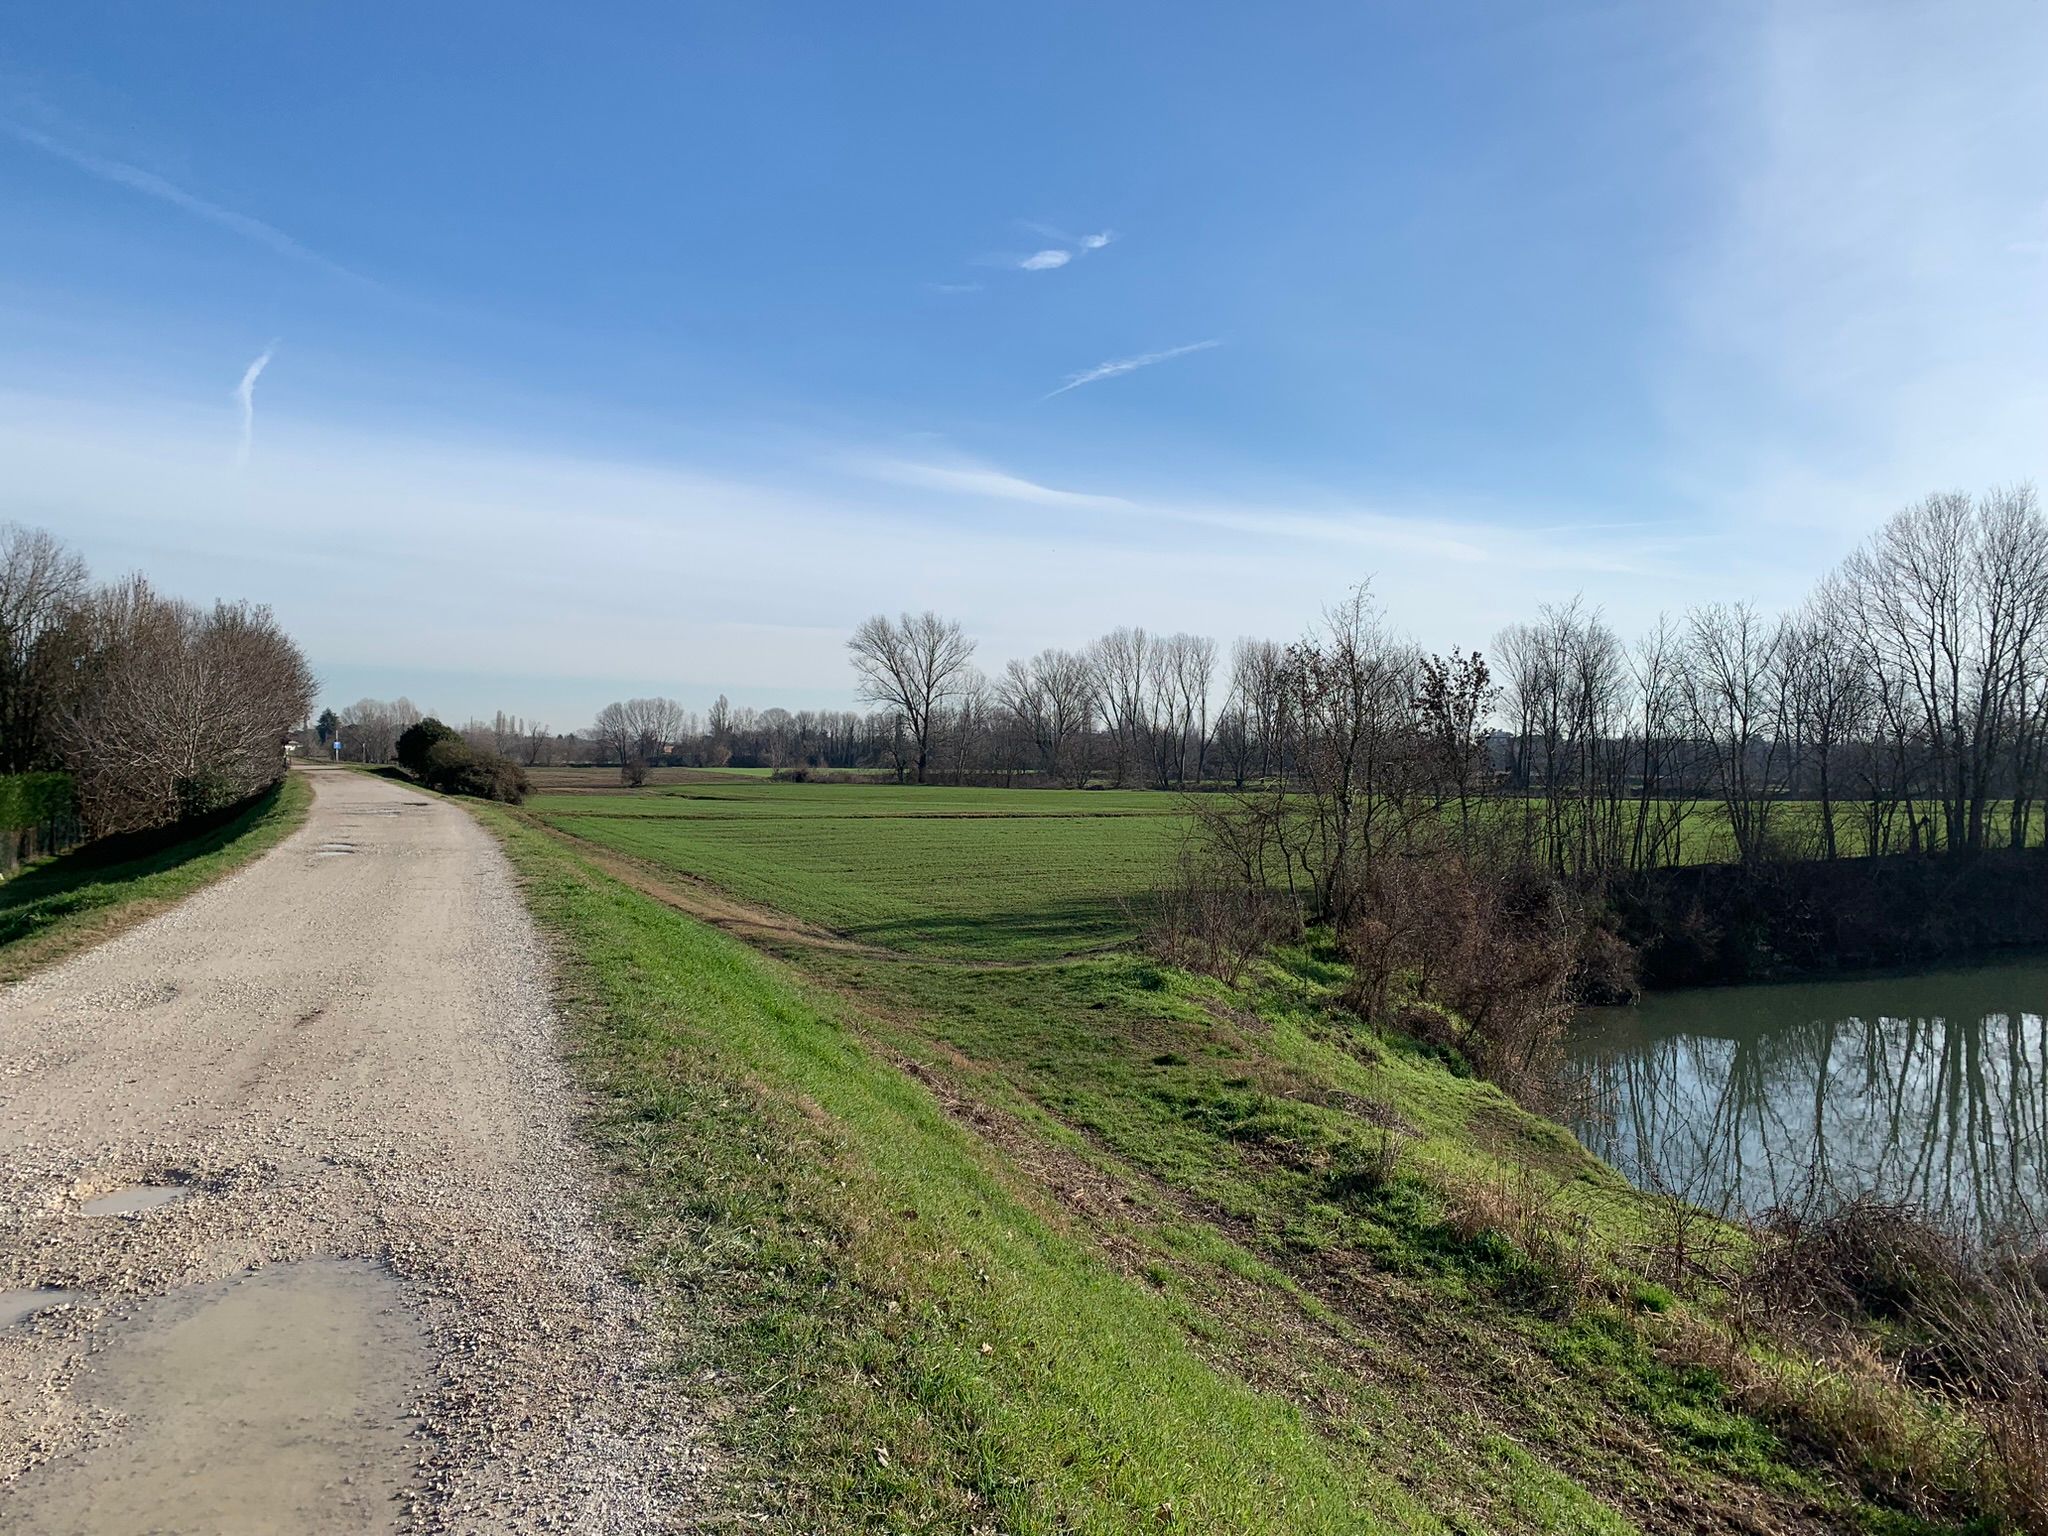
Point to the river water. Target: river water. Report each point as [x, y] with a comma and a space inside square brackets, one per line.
[1931, 1087]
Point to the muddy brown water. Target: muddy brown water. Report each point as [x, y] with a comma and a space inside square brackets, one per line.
[20, 1306]
[135, 1199]
[274, 1402]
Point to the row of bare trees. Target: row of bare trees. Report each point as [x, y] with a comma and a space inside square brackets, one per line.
[1907, 699]
[158, 708]
[1456, 831]
[1906, 702]
[1133, 705]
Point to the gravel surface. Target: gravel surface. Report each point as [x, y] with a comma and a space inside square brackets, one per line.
[344, 1052]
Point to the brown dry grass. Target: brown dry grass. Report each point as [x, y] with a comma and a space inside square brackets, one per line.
[1913, 1357]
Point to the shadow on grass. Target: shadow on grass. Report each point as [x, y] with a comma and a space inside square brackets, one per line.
[1017, 933]
[97, 874]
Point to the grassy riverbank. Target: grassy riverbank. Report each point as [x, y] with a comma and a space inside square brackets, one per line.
[983, 1234]
[81, 898]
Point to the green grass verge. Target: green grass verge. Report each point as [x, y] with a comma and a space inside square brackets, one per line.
[60, 906]
[922, 1344]
[1096, 1246]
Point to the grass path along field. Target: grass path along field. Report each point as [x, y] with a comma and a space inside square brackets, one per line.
[988, 874]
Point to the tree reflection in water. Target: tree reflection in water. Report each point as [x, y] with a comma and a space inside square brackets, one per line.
[1931, 1087]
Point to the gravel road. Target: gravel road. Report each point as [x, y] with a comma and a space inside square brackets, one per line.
[349, 1277]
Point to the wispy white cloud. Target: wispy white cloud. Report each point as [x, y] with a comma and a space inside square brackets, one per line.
[1050, 258]
[1058, 236]
[121, 174]
[1862, 315]
[954, 288]
[245, 393]
[1346, 529]
[971, 479]
[1123, 365]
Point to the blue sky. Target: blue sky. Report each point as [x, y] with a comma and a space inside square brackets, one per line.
[651, 349]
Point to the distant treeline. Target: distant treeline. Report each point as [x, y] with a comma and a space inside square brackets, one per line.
[652, 733]
[1906, 699]
[158, 710]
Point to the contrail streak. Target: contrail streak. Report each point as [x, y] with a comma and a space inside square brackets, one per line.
[1125, 365]
[246, 393]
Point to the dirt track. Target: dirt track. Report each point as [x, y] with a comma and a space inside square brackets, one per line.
[375, 1297]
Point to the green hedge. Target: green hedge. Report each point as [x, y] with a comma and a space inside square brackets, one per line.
[33, 799]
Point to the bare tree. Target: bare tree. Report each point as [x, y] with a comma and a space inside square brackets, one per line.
[1566, 678]
[1733, 699]
[1121, 663]
[1257, 668]
[1178, 672]
[1454, 697]
[1051, 698]
[536, 746]
[635, 732]
[1951, 596]
[1194, 675]
[370, 727]
[912, 667]
[42, 585]
[963, 732]
[1351, 690]
[1660, 764]
[1829, 685]
[178, 711]
[1236, 743]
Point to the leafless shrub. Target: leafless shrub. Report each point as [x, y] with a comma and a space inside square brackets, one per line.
[1491, 951]
[1995, 1337]
[1607, 968]
[1820, 1270]
[1201, 921]
[1687, 1246]
[1879, 1295]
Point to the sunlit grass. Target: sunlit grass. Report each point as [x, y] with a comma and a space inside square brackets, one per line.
[999, 874]
[933, 1347]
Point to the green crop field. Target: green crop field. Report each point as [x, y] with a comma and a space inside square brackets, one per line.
[993, 873]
